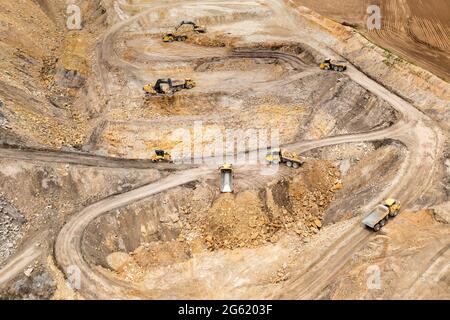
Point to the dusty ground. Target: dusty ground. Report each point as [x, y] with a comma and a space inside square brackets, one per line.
[209, 221]
[139, 230]
[402, 276]
[416, 31]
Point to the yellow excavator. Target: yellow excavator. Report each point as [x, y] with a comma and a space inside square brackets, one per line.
[329, 64]
[195, 27]
[161, 156]
[171, 37]
[167, 86]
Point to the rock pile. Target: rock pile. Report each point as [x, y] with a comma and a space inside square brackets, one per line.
[11, 223]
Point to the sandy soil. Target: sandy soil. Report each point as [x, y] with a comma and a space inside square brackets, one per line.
[416, 31]
[140, 230]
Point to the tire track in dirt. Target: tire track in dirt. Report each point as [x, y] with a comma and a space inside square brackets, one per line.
[85, 159]
[320, 272]
[317, 276]
[68, 245]
[437, 265]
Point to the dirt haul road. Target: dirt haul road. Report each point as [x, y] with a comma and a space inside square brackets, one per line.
[68, 245]
[416, 131]
[415, 30]
[84, 159]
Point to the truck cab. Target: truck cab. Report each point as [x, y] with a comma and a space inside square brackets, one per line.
[274, 156]
[329, 64]
[393, 205]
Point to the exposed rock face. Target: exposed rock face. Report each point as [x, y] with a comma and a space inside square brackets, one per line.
[11, 224]
[70, 79]
[170, 227]
[35, 284]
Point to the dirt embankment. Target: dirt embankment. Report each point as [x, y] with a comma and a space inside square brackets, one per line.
[426, 91]
[172, 227]
[407, 261]
[43, 69]
[35, 202]
[37, 199]
[416, 31]
[248, 219]
[366, 168]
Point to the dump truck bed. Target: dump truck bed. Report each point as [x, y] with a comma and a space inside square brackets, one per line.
[226, 178]
[376, 216]
[291, 156]
[226, 181]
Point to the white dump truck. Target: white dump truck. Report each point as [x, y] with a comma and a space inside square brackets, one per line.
[378, 217]
[226, 178]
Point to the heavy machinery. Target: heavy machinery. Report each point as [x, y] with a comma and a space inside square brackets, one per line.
[328, 64]
[171, 37]
[195, 27]
[161, 156]
[226, 178]
[378, 218]
[167, 86]
[291, 159]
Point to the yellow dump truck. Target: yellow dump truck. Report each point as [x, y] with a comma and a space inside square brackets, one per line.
[329, 64]
[176, 36]
[291, 159]
[378, 217]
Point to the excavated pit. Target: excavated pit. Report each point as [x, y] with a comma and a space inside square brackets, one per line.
[277, 236]
[274, 86]
[197, 225]
[367, 170]
[200, 217]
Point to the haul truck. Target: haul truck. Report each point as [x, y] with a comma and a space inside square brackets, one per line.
[276, 156]
[378, 218]
[329, 64]
[171, 37]
[226, 178]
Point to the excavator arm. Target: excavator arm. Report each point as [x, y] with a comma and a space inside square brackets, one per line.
[196, 27]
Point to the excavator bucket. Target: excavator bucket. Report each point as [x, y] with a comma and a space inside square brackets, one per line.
[226, 178]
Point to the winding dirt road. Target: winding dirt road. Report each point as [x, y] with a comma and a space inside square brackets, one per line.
[85, 159]
[415, 130]
[68, 245]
